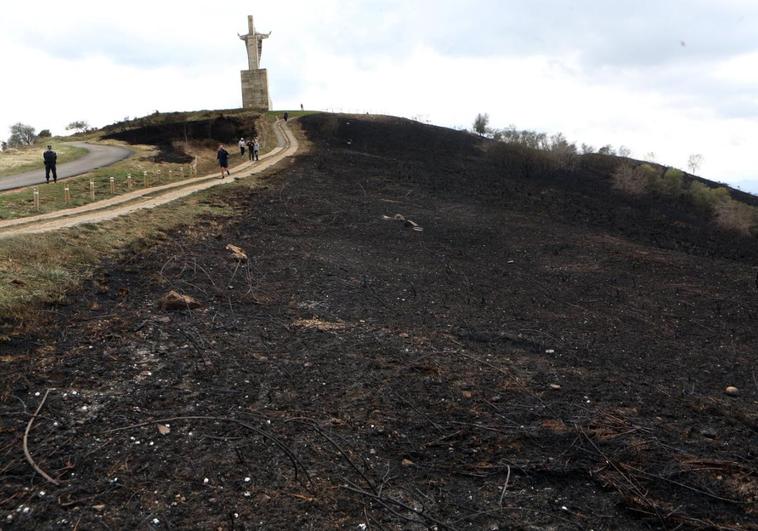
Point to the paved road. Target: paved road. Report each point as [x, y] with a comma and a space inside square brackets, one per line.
[287, 146]
[99, 156]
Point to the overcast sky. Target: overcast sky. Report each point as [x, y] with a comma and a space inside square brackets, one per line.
[672, 77]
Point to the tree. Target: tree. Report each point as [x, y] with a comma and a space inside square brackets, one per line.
[625, 152]
[587, 149]
[650, 157]
[45, 133]
[481, 122]
[694, 162]
[21, 135]
[77, 126]
[606, 150]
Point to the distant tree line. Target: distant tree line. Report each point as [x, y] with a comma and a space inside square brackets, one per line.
[22, 134]
[558, 144]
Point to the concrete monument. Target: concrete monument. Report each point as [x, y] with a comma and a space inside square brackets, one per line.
[254, 79]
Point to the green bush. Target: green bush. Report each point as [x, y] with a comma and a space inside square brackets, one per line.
[707, 198]
[670, 184]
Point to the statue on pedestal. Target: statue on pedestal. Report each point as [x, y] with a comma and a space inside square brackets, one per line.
[254, 42]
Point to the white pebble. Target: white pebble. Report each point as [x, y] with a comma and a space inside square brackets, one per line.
[247, 480]
[205, 481]
[156, 521]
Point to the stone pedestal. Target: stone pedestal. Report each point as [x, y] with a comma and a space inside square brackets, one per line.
[255, 90]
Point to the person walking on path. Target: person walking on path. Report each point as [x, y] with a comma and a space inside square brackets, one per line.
[256, 149]
[223, 160]
[51, 158]
[286, 116]
[250, 146]
[242, 144]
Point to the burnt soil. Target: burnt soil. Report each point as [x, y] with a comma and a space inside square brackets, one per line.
[544, 354]
[170, 136]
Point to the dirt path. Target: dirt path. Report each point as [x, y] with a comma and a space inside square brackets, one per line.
[287, 146]
[98, 156]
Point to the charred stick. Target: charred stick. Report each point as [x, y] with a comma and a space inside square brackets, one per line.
[26, 443]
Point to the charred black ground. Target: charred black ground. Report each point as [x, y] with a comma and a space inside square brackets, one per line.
[171, 133]
[545, 353]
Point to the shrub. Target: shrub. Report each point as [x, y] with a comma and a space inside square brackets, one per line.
[736, 216]
[670, 184]
[707, 198]
[630, 180]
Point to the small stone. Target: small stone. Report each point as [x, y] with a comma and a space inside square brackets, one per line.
[709, 432]
[732, 391]
[99, 508]
[555, 387]
[406, 462]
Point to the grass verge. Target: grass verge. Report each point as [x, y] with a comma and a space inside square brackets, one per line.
[144, 171]
[41, 269]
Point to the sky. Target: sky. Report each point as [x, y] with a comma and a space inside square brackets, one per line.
[670, 78]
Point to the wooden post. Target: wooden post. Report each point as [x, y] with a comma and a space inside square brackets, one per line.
[129, 181]
[92, 189]
[181, 171]
[158, 177]
[35, 194]
[66, 194]
[113, 185]
[144, 173]
[170, 174]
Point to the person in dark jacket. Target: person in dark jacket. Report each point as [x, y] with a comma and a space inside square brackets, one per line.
[223, 160]
[250, 147]
[51, 158]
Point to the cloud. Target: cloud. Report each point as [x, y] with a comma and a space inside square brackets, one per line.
[601, 72]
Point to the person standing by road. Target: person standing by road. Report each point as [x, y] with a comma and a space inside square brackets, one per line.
[242, 144]
[286, 116]
[51, 158]
[256, 149]
[250, 146]
[222, 156]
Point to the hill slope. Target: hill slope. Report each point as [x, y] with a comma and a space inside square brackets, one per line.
[544, 353]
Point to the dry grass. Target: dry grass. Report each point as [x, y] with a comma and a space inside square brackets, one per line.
[20, 160]
[736, 216]
[42, 269]
[20, 203]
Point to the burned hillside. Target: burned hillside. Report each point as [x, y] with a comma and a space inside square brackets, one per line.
[422, 336]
